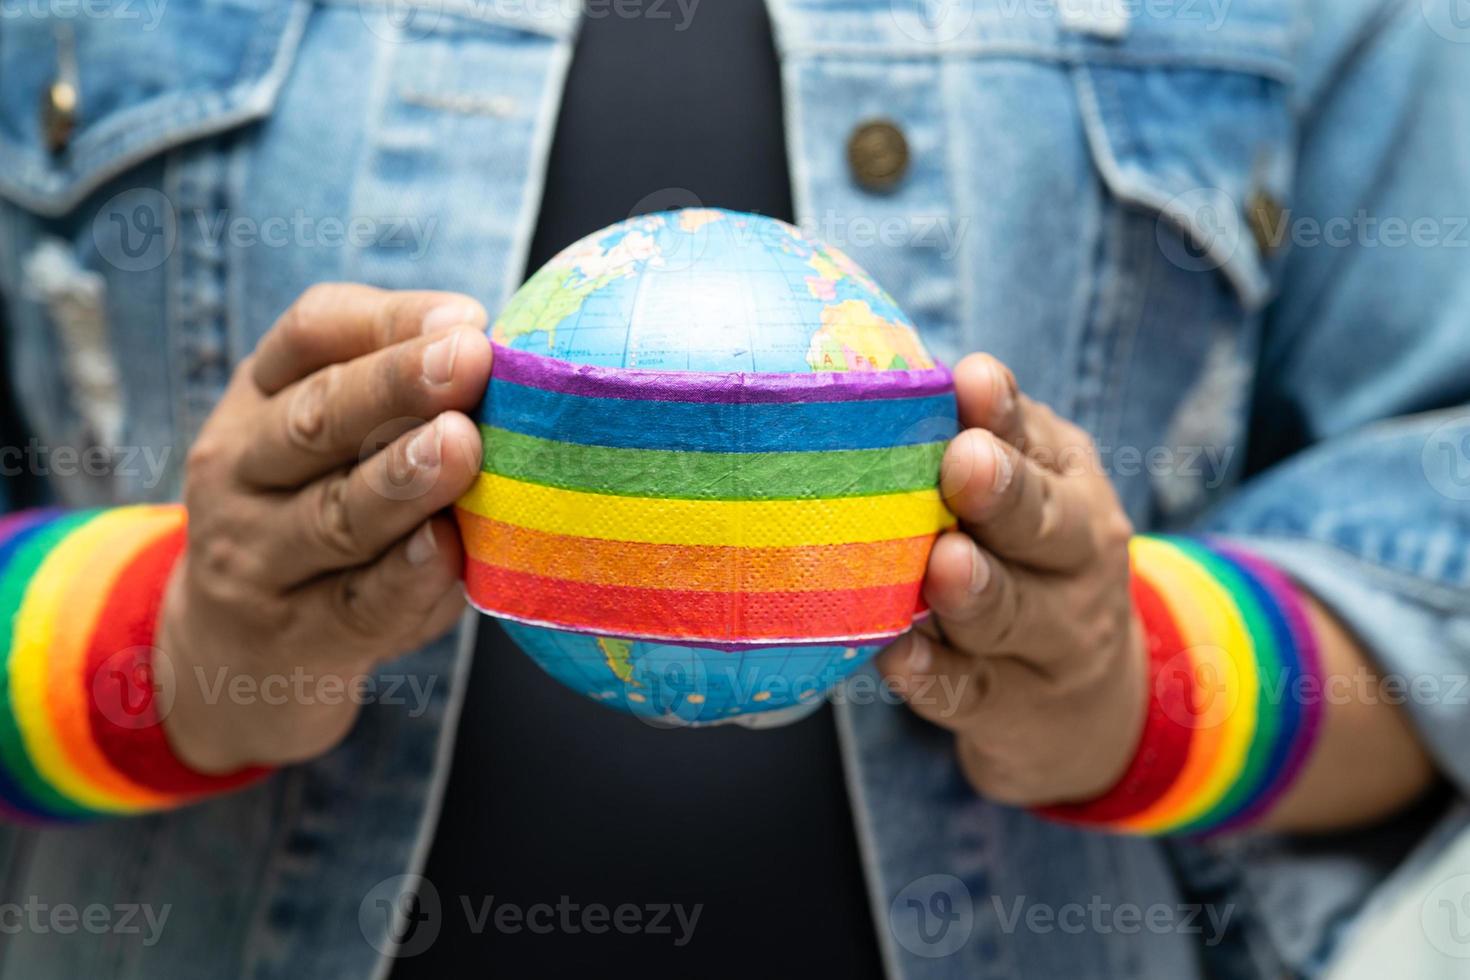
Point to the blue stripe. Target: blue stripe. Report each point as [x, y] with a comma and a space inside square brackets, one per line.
[720, 428]
[1291, 707]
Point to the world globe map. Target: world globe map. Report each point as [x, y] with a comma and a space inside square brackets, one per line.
[703, 290]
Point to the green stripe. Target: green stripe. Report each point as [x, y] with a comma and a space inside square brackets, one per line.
[13, 584]
[711, 476]
[1269, 663]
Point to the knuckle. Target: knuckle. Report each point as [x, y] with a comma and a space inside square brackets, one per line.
[207, 456]
[308, 421]
[399, 372]
[296, 329]
[998, 776]
[315, 304]
[226, 571]
[1117, 529]
[271, 613]
[220, 558]
[1111, 540]
[331, 517]
[385, 320]
[360, 609]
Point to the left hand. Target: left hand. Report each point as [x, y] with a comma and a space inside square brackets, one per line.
[1033, 657]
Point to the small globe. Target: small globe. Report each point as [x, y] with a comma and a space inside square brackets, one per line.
[718, 300]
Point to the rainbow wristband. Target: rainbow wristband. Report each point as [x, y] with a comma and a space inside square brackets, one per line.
[1233, 630]
[80, 732]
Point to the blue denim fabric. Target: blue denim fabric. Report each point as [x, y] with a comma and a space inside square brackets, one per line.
[1077, 203]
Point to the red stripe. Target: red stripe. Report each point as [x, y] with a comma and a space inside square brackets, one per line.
[692, 615]
[122, 646]
[1164, 745]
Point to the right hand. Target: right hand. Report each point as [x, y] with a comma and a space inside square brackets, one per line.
[316, 543]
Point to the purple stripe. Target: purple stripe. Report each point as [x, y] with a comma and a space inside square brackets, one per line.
[733, 388]
[1289, 600]
[13, 524]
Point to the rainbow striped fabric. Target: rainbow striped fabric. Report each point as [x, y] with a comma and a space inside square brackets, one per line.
[79, 723]
[1236, 692]
[722, 509]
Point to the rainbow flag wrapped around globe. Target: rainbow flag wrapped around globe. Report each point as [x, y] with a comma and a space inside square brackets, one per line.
[729, 510]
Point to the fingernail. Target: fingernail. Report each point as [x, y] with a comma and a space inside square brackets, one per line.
[1004, 469]
[439, 359]
[1005, 396]
[424, 448]
[422, 546]
[920, 656]
[979, 571]
[458, 312]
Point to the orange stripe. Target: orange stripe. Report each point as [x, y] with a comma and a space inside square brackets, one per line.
[66, 693]
[1211, 717]
[709, 568]
[713, 617]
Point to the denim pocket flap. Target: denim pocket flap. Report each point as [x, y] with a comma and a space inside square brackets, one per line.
[90, 94]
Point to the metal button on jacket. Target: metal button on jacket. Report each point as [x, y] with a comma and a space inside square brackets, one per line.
[1263, 215]
[58, 114]
[878, 155]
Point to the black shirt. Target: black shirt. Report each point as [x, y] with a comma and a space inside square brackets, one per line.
[554, 799]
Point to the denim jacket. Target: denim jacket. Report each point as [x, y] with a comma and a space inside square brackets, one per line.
[1205, 231]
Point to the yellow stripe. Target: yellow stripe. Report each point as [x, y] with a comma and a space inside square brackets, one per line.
[46, 600]
[71, 639]
[1220, 624]
[737, 523]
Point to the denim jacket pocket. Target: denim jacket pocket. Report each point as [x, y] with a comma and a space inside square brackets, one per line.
[1190, 120]
[1190, 129]
[90, 106]
[87, 97]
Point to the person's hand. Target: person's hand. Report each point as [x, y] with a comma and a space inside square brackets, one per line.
[1033, 657]
[316, 547]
